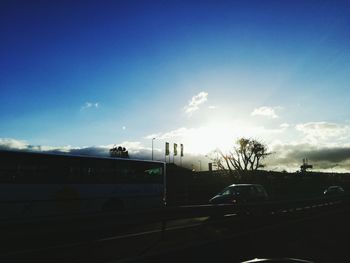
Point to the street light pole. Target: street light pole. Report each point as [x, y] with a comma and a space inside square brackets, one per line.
[152, 146]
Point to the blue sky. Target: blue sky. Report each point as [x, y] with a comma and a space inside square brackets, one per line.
[92, 73]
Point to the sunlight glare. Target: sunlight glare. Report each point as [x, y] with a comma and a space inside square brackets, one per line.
[208, 138]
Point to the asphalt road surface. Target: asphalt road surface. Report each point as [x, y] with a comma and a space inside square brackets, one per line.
[317, 235]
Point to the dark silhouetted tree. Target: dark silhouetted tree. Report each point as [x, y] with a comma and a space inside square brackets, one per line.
[119, 151]
[247, 155]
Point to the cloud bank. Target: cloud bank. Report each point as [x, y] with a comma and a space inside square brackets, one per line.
[285, 156]
[135, 148]
[290, 156]
[136, 151]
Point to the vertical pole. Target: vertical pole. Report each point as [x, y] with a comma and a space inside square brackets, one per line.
[152, 147]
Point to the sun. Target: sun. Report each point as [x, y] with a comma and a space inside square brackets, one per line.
[206, 139]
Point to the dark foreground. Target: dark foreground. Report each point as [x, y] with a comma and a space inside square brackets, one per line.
[318, 238]
[319, 235]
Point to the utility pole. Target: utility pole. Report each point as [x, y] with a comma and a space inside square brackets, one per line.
[152, 147]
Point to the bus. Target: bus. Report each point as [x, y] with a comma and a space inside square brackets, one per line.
[40, 184]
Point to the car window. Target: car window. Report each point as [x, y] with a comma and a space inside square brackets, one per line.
[260, 190]
[226, 191]
[252, 191]
[242, 190]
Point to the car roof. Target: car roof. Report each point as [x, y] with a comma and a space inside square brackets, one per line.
[233, 185]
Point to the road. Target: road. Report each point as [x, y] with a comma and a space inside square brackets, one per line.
[316, 234]
[317, 237]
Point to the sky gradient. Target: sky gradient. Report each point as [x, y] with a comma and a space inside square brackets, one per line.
[76, 74]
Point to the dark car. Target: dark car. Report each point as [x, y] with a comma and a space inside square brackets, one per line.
[334, 190]
[240, 194]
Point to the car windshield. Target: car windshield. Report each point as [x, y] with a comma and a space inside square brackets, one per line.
[226, 191]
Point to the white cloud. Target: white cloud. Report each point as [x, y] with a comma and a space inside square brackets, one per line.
[316, 131]
[169, 135]
[284, 125]
[194, 103]
[8, 143]
[212, 107]
[265, 111]
[89, 105]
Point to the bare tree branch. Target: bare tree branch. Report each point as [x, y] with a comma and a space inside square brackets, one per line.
[247, 155]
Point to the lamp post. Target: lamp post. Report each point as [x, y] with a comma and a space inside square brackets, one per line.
[152, 146]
